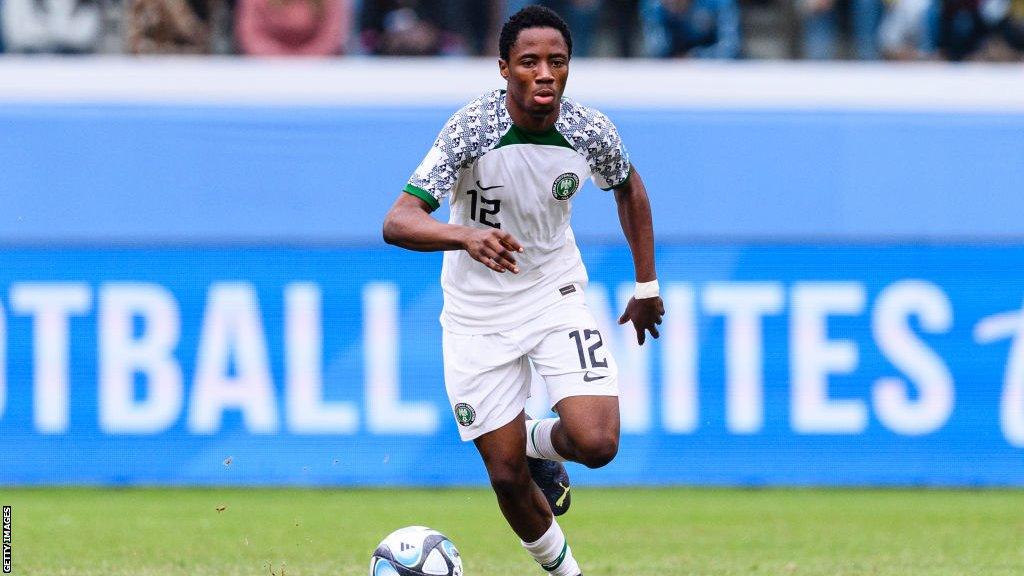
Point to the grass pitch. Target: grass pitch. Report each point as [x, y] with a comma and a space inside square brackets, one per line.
[614, 532]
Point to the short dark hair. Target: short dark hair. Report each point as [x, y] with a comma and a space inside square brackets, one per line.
[532, 16]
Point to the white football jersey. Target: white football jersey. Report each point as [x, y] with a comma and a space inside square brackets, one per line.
[498, 175]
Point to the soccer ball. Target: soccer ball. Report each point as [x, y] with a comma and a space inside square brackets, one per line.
[416, 551]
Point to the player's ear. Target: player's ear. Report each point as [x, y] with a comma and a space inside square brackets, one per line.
[503, 68]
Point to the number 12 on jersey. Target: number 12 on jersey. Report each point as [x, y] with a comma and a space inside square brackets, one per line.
[591, 350]
[488, 207]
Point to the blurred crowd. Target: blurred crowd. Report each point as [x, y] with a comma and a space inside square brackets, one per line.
[989, 30]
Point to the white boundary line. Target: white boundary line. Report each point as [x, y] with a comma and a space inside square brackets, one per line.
[642, 84]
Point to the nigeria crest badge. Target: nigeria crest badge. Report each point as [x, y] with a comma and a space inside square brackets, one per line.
[464, 413]
[565, 186]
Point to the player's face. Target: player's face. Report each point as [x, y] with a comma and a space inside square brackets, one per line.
[536, 70]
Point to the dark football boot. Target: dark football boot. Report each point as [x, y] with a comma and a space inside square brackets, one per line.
[553, 481]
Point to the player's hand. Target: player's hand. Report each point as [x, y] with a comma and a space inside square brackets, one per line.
[493, 248]
[646, 314]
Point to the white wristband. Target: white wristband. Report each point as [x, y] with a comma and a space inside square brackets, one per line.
[646, 290]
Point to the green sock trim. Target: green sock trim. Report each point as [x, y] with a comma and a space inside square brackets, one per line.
[553, 565]
[533, 438]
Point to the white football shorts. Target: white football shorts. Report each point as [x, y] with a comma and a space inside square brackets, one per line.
[488, 376]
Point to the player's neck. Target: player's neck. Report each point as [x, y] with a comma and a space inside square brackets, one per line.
[530, 122]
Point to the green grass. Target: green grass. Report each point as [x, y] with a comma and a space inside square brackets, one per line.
[614, 532]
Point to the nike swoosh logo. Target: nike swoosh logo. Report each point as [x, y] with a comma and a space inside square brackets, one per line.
[588, 377]
[565, 493]
[482, 187]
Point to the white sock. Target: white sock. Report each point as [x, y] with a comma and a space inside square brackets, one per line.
[538, 440]
[552, 552]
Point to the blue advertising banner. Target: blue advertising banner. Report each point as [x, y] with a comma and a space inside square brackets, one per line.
[293, 173]
[791, 365]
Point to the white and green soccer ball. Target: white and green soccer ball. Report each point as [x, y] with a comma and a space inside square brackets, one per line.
[416, 551]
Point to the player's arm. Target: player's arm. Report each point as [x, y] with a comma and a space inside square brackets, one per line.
[644, 310]
[409, 224]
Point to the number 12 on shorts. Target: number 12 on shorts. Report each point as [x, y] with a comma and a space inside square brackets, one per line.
[581, 340]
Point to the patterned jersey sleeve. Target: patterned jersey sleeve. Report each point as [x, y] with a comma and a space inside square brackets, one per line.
[609, 161]
[453, 149]
[594, 136]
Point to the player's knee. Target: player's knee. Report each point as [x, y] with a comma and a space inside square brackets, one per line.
[597, 450]
[509, 478]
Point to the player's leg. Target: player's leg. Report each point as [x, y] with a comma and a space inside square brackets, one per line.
[488, 380]
[582, 382]
[504, 454]
[587, 430]
[521, 502]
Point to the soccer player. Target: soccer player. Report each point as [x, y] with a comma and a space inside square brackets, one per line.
[509, 163]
